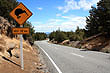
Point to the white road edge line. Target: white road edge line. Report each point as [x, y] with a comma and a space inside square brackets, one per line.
[52, 61]
[77, 55]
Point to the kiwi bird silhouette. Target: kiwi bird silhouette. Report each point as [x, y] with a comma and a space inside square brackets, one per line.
[19, 11]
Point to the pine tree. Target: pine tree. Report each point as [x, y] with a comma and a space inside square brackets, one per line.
[104, 18]
[99, 19]
[6, 6]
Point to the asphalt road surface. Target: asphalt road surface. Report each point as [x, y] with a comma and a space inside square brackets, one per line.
[73, 60]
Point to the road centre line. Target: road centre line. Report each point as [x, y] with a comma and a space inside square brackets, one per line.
[77, 55]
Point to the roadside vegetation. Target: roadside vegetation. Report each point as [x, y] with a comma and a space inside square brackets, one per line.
[40, 36]
[60, 36]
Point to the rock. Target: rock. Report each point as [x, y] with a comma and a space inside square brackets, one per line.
[39, 64]
[39, 67]
[65, 41]
[2, 49]
[11, 45]
[35, 63]
[74, 43]
[2, 41]
[16, 55]
[5, 27]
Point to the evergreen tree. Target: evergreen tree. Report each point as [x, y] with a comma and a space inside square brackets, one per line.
[52, 35]
[60, 36]
[6, 6]
[99, 19]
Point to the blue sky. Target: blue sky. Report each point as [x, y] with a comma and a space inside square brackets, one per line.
[49, 15]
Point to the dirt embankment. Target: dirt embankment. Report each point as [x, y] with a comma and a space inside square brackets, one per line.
[10, 52]
[99, 42]
[32, 62]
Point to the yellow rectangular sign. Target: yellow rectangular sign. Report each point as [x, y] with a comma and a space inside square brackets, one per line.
[20, 30]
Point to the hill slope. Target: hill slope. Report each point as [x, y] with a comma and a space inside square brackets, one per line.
[99, 42]
[12, 64]
[10, 52]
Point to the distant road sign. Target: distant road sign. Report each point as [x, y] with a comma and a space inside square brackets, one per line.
[20, 30]
[20, 14]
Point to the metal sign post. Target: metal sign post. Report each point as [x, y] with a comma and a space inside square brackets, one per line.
[21, 14]
[21, 50]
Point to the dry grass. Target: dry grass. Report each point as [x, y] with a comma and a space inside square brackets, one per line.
[12, 64]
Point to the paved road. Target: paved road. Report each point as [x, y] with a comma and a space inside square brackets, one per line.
[72, 60]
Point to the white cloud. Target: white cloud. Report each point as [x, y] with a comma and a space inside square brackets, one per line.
[66, 23]
[39, 8]
[72, 5]
[58, 14]
[86, 4]
[74, 21]
[60, 8]
[54, 21]
[68, 17]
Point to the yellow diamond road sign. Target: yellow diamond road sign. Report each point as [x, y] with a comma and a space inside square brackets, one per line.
[20, 13]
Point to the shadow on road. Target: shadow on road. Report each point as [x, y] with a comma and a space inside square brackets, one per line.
[84, 50]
